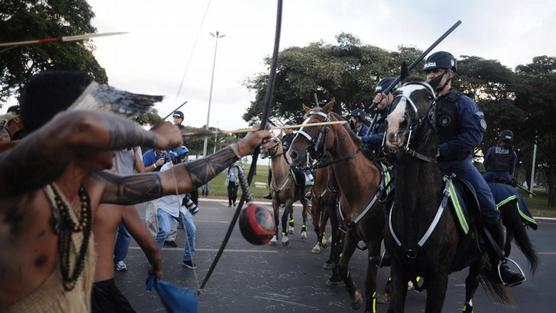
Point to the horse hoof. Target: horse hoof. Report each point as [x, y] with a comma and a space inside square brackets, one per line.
[273, 240]
[285, 241]
[316, 249]
[357, 301]
[303, 235]
[467, 308]
[328, 265]
[383, 298]
[291, 230]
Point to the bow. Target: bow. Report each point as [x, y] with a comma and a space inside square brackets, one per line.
[264, 121]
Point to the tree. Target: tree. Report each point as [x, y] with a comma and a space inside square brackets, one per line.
[347, 71]
[33, 19]
[535, 94]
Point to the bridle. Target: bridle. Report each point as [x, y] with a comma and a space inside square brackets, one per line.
[272, 152]
[417, 124]
[317, 148]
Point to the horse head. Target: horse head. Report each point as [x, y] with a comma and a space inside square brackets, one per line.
[315, 140]
[413, 104]
[271, 148]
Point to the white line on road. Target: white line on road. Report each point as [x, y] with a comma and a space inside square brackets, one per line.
[289, 302]
[216, 250]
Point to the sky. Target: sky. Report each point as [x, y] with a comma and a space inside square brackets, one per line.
[167, 35]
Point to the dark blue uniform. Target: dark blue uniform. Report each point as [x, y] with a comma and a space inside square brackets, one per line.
[362, 130]
[375, 134]
[500, 161]
[461, 127]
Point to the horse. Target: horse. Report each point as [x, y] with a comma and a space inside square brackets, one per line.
[423, 238]
[324, 196]
[284, 190]
[358, 180]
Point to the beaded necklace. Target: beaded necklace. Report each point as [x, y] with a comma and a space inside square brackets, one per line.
[65, 226]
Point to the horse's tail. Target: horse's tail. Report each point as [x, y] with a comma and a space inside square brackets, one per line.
[488, 278]
[514, 226]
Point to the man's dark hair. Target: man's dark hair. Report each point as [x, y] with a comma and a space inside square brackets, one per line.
[49, 93]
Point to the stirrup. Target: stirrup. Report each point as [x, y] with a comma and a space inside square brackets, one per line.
[508, 284]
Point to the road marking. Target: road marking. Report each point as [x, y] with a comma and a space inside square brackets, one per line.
[289, 302]
[208, 221]
[216, 250]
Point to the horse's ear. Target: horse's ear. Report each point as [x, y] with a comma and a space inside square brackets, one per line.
[329, 106]
[404, 72]
[306, 108]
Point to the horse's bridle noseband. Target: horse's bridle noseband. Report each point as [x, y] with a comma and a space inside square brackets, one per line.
[318, 147]
[428, 117]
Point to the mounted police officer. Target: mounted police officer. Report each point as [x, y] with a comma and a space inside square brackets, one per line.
[500, 163]
[461, 127]
[381, 108]
[357, 122]
[501, 160]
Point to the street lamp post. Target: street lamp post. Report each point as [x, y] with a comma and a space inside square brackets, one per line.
[217, 35]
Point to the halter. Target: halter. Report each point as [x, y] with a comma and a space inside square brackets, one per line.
[428, 117]
[317, 149]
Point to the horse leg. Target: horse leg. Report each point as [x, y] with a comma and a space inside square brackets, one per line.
[436, 291]
[341, 271]
[315, 214]
[471, 285]
[336, 246]
[276, 209]
[291, 222]
[370, 282]
[304, 216]
[288, 207]
[398, 285]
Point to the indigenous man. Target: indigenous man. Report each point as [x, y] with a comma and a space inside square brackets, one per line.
[52, 182]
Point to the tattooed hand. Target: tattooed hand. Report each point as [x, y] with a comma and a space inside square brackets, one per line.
[168, 136]
[248, 143]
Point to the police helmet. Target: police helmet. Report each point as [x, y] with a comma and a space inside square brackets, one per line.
[506, 136]
[359, 114]
[441, 59]
[384, 83]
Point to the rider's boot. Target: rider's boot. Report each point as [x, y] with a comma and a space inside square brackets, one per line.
[508, 276]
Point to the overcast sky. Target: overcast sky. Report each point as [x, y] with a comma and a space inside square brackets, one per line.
[154, 56]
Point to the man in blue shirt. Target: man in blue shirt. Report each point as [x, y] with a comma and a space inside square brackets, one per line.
[381, 108]
[461, 126]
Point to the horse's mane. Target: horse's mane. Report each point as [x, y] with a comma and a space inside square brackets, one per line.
[354, 137]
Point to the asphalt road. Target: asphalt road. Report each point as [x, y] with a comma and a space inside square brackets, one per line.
[291, 279]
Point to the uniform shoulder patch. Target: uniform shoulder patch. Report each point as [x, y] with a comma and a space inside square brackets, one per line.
[482, 120]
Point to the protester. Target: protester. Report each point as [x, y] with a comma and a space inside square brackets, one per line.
[52, 182]
[232, 181]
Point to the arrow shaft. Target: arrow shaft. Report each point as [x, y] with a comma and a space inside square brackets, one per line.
[58, 39]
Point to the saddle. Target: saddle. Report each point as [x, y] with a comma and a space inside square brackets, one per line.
[466, 211]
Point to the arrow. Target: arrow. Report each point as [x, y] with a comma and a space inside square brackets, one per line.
[204, 132]
[58, 39]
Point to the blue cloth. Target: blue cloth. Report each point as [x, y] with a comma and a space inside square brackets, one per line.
[363, 130]
[470, 128]
[165, 228]
[122, 244]
[503, 192]
[466, 170]
[175, 299]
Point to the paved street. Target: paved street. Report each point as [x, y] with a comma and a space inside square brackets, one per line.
[291, 279]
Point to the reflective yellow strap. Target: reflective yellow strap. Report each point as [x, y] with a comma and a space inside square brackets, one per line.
[374, 302]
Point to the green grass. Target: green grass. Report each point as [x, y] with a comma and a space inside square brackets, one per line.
[539, 203]
[218, 189]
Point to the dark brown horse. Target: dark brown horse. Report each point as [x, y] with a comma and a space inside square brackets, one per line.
[358, 181]
[324, 198]
[284, 190]
[423, 236]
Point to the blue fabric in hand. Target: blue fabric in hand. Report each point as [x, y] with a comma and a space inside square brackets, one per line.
[176, 299]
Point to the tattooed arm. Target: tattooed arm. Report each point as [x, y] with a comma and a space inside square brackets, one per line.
[185, 177]
[42, 156]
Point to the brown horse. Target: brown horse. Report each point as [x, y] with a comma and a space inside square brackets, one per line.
[358, 181]
[324, 198]
[284, 190]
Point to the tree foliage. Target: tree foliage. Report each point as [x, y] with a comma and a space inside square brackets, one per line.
[35, 19]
